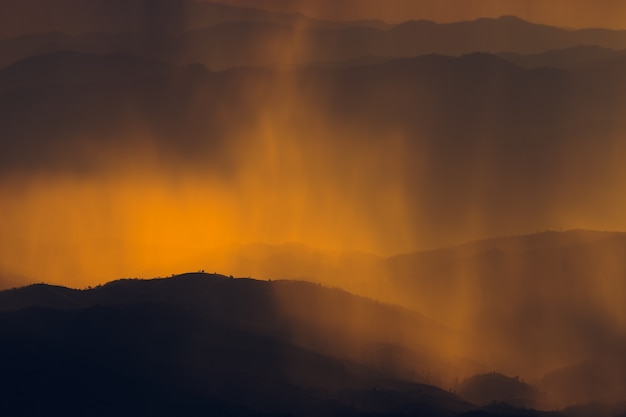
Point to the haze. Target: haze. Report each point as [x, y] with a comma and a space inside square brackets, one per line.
[459, 159]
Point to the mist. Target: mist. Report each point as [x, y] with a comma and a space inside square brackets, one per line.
[472, 184]
[384, 159]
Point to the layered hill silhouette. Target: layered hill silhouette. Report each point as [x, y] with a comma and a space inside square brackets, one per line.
[184, 32]
[577, 57]
[162, 128]
[199, 343]
[556, 294]
[527, 306]
[545, 306]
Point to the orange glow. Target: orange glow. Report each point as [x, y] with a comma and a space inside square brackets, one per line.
[326, 172]
[85, 230]
[293, 171]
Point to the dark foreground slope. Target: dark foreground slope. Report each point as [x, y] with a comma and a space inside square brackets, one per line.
[191, 345]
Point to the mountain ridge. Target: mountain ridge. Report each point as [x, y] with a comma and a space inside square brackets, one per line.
[292, 40]
[290, 310]
[148, 338]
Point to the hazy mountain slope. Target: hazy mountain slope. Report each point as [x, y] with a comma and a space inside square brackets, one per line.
[600, 381]
[549, 300]
[526, 305]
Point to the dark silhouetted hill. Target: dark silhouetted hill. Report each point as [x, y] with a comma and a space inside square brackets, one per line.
[504, 409]
[330, 321]
[191, 345]
[496, 388]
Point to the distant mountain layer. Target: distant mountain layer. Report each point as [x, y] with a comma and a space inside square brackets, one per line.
[223, 37]
[578, 57]
[198, 344]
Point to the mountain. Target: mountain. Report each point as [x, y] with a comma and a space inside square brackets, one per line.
[545, 306]
[549, 300]
[302, 44]
[181, 31]
[146, 360]
[599, 381]
[577, 57]
[196, 344]
[281, 308]
[132, 330]
[542, 138]
[496, 388]
[138, 134]
[222, 37]
[528, 305]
